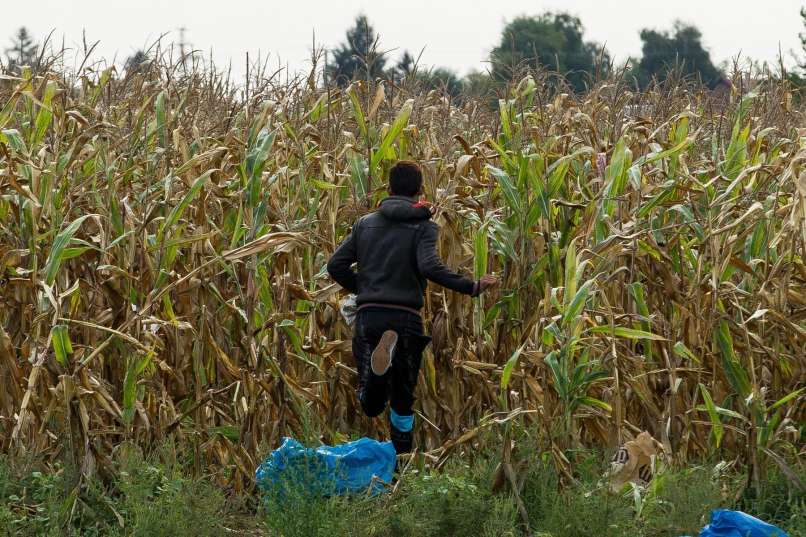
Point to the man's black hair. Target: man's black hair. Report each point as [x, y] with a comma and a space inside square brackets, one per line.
[405, 178]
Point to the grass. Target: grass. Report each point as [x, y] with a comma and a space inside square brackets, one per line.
[459, 500]
[143, 498]
[159, 496]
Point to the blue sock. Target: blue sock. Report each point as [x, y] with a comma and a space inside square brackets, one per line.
[403, 424]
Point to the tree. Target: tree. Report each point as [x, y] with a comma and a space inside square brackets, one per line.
[442, 79]
[479, 84]
[404, 67]
[802, 36]
[682, 49]
[551, 40]
[439, 78]
[23, 51]
[797, 77]
[358, 57]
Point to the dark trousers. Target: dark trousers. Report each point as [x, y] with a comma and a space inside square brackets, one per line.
[398, 384]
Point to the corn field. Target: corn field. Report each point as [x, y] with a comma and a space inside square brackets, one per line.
[163, 237]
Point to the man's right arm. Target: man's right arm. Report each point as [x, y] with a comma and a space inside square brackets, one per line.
[340, 265]
[430, 265]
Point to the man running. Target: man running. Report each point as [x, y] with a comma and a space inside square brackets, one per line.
[395, 248]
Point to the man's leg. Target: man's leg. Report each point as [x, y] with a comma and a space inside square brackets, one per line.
[405, 370]
[373, 391]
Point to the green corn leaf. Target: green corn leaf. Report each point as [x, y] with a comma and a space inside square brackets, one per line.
[256, 161]
[505, 110]
[577, 304]
[561, 380]
[129, 394]
[167, 303]
[511, 193]
[770, 425]
[541, 206]
[62, 346]
[176, 212]
[509, 367]
[716, 424]
[501, 238]
[593, 402]
[639, 296]
[134, 369]
[550, 334]
[570, 273]
[292, 332]
[358, 113]
[44, 116]
[7, 110]
[13, 139]
[729, 413]
[629, 333]
[400, 122]
[736, 155]
[143, 363]
[60, 243]
[733, 188]
[358, 174]
[556, 177]
[318, 108]
[688, 218]
[161, 119]
[635, 177]
[616, 177]
[506, 159]
[480, 251]
[591, 377]
[734, 371]
[583, 376]
[70, 253]
[667, 190]
[324, 185]
[106, 76]
[785, 399]
[230, 432]
[565, 160]
[681, 350]
[492, 314]
[673, 151]
[758, 241]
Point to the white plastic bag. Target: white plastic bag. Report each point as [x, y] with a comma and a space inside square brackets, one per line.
[349, 309]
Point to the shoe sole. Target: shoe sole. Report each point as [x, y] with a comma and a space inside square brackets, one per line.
[381, 359]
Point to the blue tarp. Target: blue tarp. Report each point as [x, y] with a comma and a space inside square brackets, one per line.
[725, 523]
[328, 470]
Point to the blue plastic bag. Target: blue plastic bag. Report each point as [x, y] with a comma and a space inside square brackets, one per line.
[328, 470]
[725, 523]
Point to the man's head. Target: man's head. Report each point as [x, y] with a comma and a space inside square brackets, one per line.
[406, 179]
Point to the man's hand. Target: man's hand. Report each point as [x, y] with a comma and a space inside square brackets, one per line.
[487, 282]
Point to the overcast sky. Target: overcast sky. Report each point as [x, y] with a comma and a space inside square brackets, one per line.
[455, 33]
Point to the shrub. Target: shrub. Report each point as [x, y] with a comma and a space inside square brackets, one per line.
[679, 502]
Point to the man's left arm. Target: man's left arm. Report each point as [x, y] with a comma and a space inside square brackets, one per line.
[430, 265]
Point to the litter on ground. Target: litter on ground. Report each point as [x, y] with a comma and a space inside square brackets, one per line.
[354, 467]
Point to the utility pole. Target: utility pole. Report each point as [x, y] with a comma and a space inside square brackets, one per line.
[182, 44]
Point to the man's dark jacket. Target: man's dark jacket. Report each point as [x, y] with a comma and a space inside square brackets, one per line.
[396, 251]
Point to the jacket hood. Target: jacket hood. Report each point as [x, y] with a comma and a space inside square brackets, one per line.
[403, 208]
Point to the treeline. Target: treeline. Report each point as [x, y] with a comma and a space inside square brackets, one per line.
[552, 41]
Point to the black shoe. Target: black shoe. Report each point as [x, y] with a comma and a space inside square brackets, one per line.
[401, 440]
